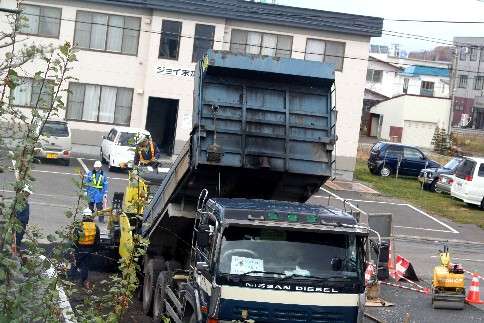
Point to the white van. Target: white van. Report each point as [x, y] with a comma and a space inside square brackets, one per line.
[55, 141]
[468, 183]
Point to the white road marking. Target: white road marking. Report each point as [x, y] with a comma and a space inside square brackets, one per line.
[452, 230]
[72, 174]
[433, 230]
[83, 165]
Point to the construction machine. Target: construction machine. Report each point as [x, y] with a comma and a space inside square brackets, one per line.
[448, 290]
[142, 183]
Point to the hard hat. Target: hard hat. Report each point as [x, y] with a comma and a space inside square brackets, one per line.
[139, 138]
[98, 164]
[87, 212]
[27, 189]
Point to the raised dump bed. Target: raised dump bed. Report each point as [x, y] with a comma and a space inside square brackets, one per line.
[263, 127]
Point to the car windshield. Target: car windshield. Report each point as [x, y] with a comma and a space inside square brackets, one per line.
[58, 129]
[127, 139]
[286, 253]
[452, 164]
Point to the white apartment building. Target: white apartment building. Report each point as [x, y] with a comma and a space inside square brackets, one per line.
[137, 59]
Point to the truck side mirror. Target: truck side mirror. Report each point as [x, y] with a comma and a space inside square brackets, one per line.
[203, 235]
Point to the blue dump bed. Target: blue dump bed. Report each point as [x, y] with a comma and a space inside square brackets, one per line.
[263, 127]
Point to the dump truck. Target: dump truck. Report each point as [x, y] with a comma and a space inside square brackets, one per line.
[230, 237]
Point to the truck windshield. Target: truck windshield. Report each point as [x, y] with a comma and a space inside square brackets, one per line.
[283, 253]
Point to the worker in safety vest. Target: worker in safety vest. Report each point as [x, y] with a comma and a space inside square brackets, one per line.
[87, 241]
[146, 152]
[97, 188]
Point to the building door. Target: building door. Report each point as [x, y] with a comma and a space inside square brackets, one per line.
[161, 122]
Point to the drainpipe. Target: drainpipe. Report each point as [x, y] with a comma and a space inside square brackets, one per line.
[453, 68]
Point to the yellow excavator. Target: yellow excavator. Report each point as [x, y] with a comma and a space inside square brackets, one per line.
[142, 183]
[448, 289]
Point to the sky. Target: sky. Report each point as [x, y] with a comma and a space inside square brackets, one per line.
[435, 34]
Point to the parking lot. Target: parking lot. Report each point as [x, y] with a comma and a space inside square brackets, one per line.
[418, 236]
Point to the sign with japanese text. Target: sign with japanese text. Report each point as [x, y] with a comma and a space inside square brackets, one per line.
[174, 71]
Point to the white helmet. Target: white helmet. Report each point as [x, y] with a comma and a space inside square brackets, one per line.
[27, 189]
[98, 164]
[87, 212]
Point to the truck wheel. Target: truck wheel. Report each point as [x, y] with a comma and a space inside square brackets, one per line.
[432, 186]
[152, 271]
[159, 308]
[385, 170]
[172, 265]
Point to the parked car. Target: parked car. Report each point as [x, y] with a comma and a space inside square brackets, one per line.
[468, 183]
[117, 148]
[429, 176]
[444, 183]
[55, 141]
[386, 157]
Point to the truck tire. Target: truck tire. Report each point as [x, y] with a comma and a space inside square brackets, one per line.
[159, 308]
[152, 271]
[172, 265]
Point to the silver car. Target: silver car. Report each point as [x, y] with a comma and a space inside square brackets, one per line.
[444, 183]
[55, 141]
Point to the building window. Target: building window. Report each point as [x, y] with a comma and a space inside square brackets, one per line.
[109, 33]
[459, 107]
[427, 85]
[463, 81]
[482, 54]
[170, 39]
[463, 52]
[29, 91]
[478, 83]
[374, 76]
[203, 41]
[99, 103]
[405, 85]
[42, 21]
[325, 51]
[251, 42]
[473, 53]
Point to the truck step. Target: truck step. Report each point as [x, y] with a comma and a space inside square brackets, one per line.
[174, 299]
[172, 312]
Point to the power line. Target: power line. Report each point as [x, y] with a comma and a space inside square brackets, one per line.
[230, 42]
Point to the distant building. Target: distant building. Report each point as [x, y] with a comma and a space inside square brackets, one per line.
[468, 83]
[391, 77]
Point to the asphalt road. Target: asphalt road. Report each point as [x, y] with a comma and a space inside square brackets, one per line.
[418, 236]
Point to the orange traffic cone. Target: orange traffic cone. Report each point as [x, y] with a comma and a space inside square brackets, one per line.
[390, 257]
[474, 296]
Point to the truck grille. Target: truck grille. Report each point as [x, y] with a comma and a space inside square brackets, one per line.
[283, 315]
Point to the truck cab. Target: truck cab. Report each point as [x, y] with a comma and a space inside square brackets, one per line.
[272, 261]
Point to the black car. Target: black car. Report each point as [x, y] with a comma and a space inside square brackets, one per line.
[388, 157]
[430, 176]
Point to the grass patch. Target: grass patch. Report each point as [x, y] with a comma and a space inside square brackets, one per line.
[408, 189]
